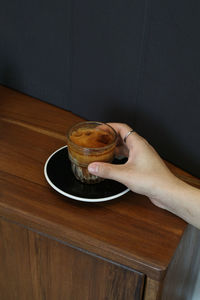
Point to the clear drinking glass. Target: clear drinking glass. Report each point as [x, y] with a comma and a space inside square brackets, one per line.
[89, 142]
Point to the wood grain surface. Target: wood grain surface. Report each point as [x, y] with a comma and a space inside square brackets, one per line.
[46, 269]
[129, 230]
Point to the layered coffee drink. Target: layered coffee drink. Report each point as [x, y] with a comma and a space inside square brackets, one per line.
[89, 142]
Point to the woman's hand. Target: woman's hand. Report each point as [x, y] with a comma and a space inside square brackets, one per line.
[144, 173]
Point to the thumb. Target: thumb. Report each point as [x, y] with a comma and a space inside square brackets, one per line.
[106, 170]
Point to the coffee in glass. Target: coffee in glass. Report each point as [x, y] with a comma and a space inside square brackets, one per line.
[89, 142]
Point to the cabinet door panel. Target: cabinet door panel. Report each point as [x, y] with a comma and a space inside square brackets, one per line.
[36, 267]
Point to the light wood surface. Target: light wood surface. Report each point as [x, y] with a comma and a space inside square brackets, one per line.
[129, 231]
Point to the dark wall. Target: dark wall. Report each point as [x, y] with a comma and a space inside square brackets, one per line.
[35, 38]
[133, 61]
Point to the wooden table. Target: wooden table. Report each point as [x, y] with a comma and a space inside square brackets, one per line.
[53, 247]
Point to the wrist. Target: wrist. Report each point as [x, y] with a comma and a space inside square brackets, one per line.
[166, 192]
[181, 199]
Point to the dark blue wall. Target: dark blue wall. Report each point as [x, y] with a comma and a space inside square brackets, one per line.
[133, 61]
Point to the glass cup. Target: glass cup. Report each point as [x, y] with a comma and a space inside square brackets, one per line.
[89, 142]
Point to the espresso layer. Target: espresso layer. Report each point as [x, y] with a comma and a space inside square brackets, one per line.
[83, 159]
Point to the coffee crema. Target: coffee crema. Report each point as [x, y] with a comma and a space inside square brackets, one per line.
[91, 138]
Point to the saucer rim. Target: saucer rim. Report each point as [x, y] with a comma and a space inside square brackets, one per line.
[71, 195]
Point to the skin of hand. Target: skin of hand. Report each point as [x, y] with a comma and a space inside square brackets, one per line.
[146, 173]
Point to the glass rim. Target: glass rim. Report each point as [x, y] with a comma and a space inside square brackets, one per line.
[87, 148]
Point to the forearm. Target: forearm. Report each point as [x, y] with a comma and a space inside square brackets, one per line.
[183, 200]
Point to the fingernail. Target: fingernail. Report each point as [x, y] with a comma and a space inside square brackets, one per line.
[93, 168]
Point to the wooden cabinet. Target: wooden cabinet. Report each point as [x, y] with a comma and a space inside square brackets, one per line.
[36, 266]
[52, 247]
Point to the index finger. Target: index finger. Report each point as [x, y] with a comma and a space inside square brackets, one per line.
[120, 128]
